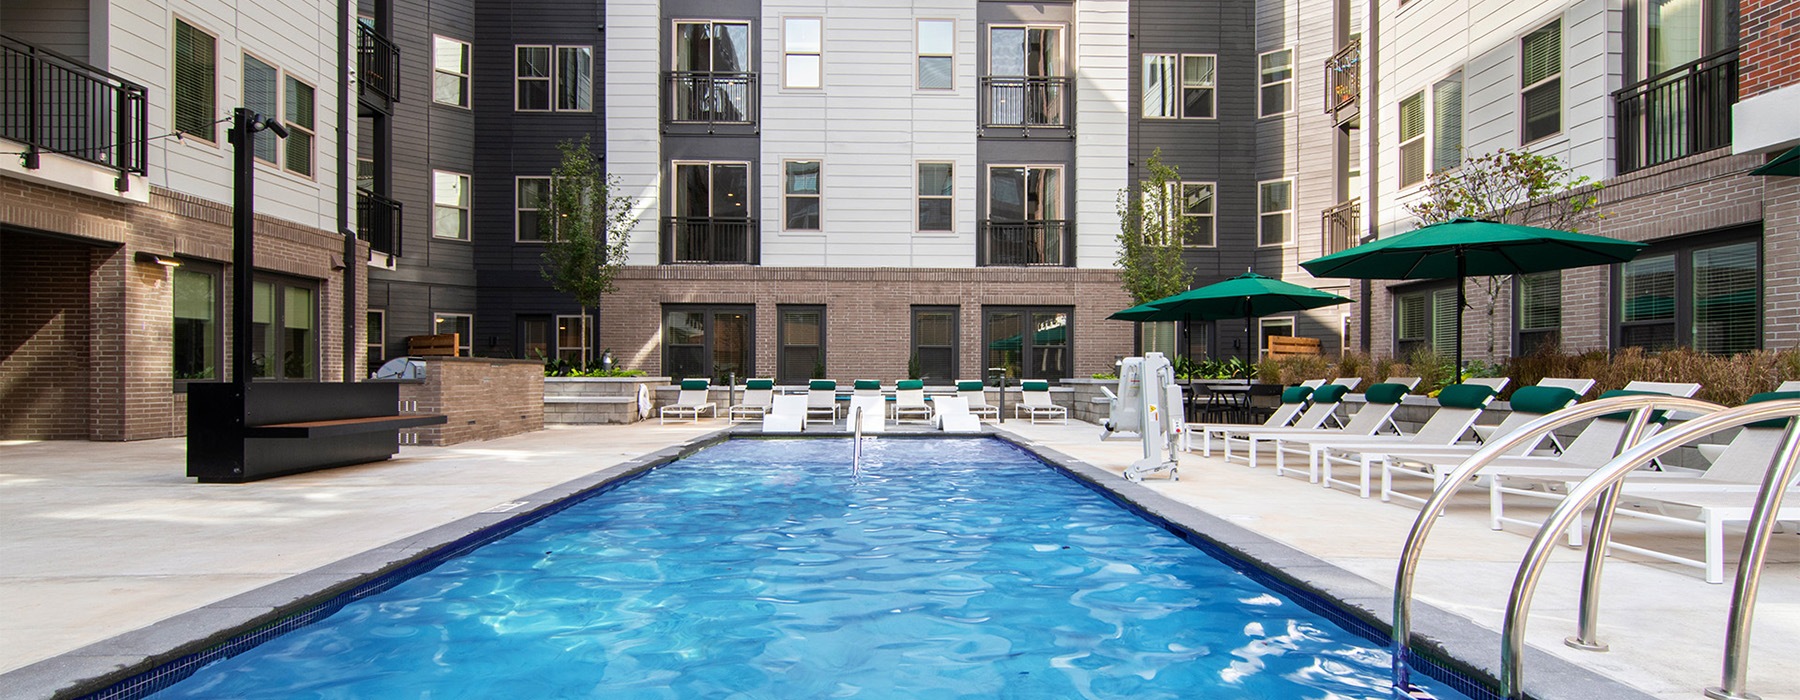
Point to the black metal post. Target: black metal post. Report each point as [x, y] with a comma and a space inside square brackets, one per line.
[243, 224]
[1461, 271]
[1000, 375]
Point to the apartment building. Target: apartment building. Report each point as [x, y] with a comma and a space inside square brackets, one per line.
[115, 206]
[1671, 105]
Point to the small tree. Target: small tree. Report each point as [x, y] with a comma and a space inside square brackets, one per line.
[586, 227]
[1151, 233]
[1515, 187]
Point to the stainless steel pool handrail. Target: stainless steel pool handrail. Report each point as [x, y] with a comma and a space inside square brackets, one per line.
[1602, 487]
[1641, 406]
[856, 438]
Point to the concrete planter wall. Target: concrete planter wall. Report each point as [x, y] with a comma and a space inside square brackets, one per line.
[597, 400]
[483, 398]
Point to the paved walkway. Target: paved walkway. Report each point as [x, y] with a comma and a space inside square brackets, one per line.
[104, 538]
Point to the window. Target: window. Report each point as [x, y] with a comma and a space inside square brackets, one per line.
[1540, 95]
[531, 78]
[801, 343]
[937, 201]
[800, 184]
[1193, 215]
[1276, 96]
[1540, 311]
[572, 338]
[374, 340]
[262, 84]
[1705, 295]
[1160, 101]
[1024, 86]
[463, 325]
[534, 338]
[708, 342]
[1030, 342]
[934, 334]
[574, 78]
[265, 86]
[1425, 320]
[1275, 207]
[937, 54]
[299, 119]
[1025, 216]
[365, 174]
[450, 205]
[713, 79]
[450, 72]
[567, 85]
[1446, 123]
[531, 197]
[1673, 33]
[284, 342]
[711, 214]
[1269, 326]
[195, 82]
[1412, 139]
[197, 331]
[1198, 81]
[1179, 86]
[1158, 336]
[802, 63]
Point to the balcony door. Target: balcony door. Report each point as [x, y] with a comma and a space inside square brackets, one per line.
[711, 212]
[713, 80]
[1025, 215]
[1025, 76]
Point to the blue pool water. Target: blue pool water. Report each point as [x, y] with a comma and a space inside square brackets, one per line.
[763, 569]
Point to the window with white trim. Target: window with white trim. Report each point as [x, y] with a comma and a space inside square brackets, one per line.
[1276, 95]
[262, 95]
[1268, 326]
[937, 54]
[1275, 212]
[449, 205]
[1193, 212]
[195, 69]
[1199, 86]
[572, 338]
[1425, 319]
[270, 92]
[449, 71]
[463, 325]
[374, 340]
[801, 205]
[937, 196]
[1160, 90]
[531, 197]
[1180, 86]
[1447, 123]
[1540, 83]
[802, 53]
[1412, 139]
[553, 78]
[1540, 311]
[298, 115]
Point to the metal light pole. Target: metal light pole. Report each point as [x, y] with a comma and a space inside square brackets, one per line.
[244, 123]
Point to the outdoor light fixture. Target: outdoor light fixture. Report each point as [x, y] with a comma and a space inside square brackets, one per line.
[270, 124]
[145, 256]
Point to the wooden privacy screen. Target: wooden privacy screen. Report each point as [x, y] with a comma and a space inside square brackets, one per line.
[442, 345]
[1288, 346]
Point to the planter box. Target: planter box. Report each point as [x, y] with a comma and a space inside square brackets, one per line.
[598, 400]
[483, 398]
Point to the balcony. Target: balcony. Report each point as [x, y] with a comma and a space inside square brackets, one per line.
[1027, 103]
[710, 241]
[377, 66]
[378, 222]
[1032, 243]
[1676, 114]
[1343, 83]
[56, 104]
[711, 98]
[1340, 227]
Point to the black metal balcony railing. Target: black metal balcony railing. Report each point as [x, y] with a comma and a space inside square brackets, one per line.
[1343, 78]
[1678, 113]
[378, 222]
[377, 64]
[1031, 243]
[711, 97]
[56, 104]
[710, 241]
[1027, 102]
[1339, 226]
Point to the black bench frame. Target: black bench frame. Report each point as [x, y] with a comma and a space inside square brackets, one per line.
[239, 433]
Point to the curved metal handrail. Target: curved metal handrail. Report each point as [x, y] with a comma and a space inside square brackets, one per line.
[1641, 405]
[856, 438]
[1604, 482]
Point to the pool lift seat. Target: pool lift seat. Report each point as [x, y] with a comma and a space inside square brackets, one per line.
[1160, 405]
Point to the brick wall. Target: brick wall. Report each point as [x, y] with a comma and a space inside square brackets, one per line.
[484, 399]
[44, 328]
[868, 326]
[1769, 45]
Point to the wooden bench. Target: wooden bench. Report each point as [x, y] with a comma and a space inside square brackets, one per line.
[341, 426]
[441, 345]
[1281, 346]
[276, 428]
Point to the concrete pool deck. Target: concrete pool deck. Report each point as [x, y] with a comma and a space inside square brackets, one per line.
[109, 552]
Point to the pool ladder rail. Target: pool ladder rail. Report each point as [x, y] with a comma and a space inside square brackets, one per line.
[856, 442]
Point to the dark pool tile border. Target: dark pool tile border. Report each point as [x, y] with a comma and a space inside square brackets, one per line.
[1449, 644]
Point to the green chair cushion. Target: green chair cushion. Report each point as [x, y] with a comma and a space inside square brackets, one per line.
[1655, 416]
[910, 384]
[822, 385]
[1465, 396]
[1771, 396]
[694, 384]
[867, 385]
[1541, 400]
[759, 384]
[1035, 386]
[1385, 393]
[1296, 394]
[1330, 393]
[971, 385]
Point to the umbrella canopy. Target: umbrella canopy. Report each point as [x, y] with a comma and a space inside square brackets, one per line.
[1146, 311]
[1785, 164]
[1245, 296]
[1461, 247]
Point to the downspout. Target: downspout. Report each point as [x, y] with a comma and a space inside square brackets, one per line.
[1371, 118]
[351, 264]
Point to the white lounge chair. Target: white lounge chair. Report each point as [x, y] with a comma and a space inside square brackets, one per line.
[1325, 400]
[873, 410]
[1528, 404]
[909, 400]
[821, 401]
[691, 401]
[759, 395]
[865, 387]
[787, 414]
[1293, 401]
[953, 415]
[1380, 402]
[1034, 401]
[975, 392]
[1459, 406]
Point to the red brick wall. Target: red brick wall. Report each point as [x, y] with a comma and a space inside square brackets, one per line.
[483, 399]
[1769, 45]
[44, 328]
[868, 327]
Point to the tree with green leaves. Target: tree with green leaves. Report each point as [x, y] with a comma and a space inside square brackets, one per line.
[586, 225]
[1151, 234]
[1515, 187]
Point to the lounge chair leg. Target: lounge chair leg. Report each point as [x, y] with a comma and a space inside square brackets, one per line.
[1715, 549]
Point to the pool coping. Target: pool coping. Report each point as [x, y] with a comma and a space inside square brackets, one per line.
[142, 657]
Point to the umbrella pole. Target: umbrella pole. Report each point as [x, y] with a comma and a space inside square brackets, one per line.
[1461, 271]
[1247, 318]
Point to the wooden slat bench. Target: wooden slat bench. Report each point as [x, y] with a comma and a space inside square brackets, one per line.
[341, 426]
[440, 345]
[1281, 346]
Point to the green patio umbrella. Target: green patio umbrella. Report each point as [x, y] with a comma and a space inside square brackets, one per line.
[1245, 296]
[1787, 164]
[1462, 247]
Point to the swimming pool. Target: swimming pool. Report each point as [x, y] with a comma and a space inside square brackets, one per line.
[763, 568]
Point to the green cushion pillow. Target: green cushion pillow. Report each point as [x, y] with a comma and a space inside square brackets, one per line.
[1330, 393]
[694, 384]
[1296, 394]
[1035, 386]
[868, 385]
[1540, 400]
[1465, 396]
[910, 384]
[1385, 393]
[1771, 396]
[822, 385]
[971, 385]
[759, 384]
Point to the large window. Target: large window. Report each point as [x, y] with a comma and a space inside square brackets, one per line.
[1025, 216]
[374, 340]
[262, 85]
[270, 93]
[195, 92]
[712, 72]
[708, 342]
[1030, 342]
[1412, 139]
[531, 194]
[463, 325]
[802, 53]
[934, 334]
[1425, 319]
[553, 78]
[1275, 211]
[450, 205]
[284, 340]
[1540, 311]
[1706, 295]
[1025, 84]
[801, 344]
[1446, 123]
[937, 54]
[1277, 80]
[1193, 212]
[449, 71]
[937, 197]
[197, 332]
[1180, 86]
[572, 338]
[1540, 83]
[801, 195]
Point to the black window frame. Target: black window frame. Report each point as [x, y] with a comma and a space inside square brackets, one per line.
[1683, 250]
[279, 284]
[378, 348]
[1404, 346]
[1527, 340]
[1025, 345]
[711, 311]
[782, 376]
[220, 352]
[955, 346]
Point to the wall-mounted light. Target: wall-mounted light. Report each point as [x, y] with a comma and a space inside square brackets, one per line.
[145, 256]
